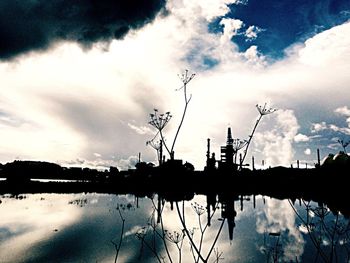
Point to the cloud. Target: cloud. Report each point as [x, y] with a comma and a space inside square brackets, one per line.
[206, 9]
[102, 163]
[343, 111]
[254, 57]
[323, 126]
[279, 217]
[321, 49]
[333, 146]
[141, 130]
[252, 32]
[335, 128]
[307, 151]
[301, 138]
[231, 27]
[316, 127]
[37, 25]
[24, 234]
[276, 144]
[125, 164]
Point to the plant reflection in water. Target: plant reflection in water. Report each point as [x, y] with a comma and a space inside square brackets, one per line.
[328, 231]
[155, 233]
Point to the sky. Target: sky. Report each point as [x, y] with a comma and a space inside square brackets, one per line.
[78, 81]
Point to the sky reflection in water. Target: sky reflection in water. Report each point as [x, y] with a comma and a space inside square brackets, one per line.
[83, 227]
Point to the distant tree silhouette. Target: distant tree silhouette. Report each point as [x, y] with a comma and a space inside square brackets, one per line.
[25, 170]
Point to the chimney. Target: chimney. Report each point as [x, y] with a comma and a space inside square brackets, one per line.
[229, 136]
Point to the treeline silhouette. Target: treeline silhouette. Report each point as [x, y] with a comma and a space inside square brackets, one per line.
[19, 171]
[175, 173]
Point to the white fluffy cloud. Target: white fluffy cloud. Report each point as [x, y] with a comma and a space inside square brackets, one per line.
[276, 144]
[321, 50]
[280, 218]
[252, 32]
[307, 151]
[343, 111]
[231, 27]
[316, 127]
[335, 128]
[301, 138]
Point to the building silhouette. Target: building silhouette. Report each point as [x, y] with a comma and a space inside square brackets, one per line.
[226, 163]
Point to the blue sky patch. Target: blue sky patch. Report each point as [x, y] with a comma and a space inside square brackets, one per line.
[284, 23]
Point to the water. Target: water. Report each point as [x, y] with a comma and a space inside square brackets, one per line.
[89, 228]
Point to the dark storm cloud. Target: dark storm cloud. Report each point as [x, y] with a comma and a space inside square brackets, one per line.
[284, 23]
[36, 24]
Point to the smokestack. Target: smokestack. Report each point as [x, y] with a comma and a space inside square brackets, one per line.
[229, 136]
[208, 149]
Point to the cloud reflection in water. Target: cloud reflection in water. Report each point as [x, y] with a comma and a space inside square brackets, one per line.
[81, 227]
[278, 217]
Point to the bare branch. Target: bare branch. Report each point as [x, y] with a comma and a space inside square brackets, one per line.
[185, 80]
[119, 244]
[263, 110]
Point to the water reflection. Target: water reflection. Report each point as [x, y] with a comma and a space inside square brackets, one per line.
[212, 228]
[328, 231]
[277, 222]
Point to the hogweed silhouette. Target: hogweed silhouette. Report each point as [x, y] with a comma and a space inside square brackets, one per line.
[159, 121]
[263, 110]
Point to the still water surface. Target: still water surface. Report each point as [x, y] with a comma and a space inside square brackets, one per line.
[106, 228]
